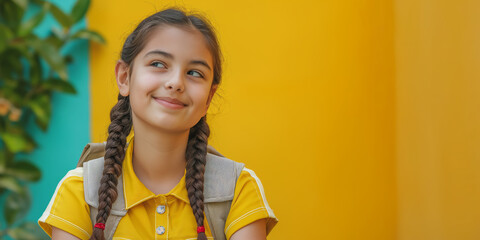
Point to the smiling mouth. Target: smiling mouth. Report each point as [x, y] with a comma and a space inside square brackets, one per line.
[169, 103]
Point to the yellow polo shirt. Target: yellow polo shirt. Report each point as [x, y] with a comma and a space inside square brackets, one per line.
[150, 216]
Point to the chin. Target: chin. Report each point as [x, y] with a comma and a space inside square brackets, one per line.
[170, 127]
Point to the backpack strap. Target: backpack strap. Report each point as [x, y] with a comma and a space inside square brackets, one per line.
[92, 151]
[92, 174]
[219, 188]
[221, 176]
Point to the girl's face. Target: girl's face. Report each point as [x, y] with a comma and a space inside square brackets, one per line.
[170, 84]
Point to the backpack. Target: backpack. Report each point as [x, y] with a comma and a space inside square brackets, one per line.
[220, 177]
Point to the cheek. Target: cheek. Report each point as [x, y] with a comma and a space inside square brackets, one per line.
[145, 83]
[202, 96]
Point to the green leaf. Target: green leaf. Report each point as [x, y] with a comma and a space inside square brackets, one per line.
[79, 10]
[24, 170]
[42, 109]
[16, 142]
[62, 18]
[56, 38]
[59, 33]
[38, 2]
[51, 55]
[11, 13]
[27, 231]
[59, 85]
[3, 161]
[11, 65]
[30, 24]
[35, 70]
[5, 35]
[55, 41]
[9, 157]
[10, 183]
[89, 35]
[21, 3]
[16, 206]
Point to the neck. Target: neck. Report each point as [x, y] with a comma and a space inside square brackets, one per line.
[159, 156]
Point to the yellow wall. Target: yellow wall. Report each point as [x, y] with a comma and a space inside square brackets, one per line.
[438, 116]
[307, 103]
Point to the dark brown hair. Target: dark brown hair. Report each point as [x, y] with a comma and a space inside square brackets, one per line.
[121, 119]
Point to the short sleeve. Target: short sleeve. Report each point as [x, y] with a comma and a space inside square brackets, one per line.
[249, 204]
[67, 209]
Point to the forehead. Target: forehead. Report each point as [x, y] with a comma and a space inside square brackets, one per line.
[183, 44]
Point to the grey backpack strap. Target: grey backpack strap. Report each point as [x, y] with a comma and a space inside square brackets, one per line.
[110, 226]
[92, 151]
[92, 174]
[221, 176]
[217, 197]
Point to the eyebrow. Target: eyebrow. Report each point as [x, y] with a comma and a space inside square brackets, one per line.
[170, 56]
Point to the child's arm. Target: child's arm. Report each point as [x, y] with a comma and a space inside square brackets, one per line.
[253, 231]
[58, 234]
[67, 209]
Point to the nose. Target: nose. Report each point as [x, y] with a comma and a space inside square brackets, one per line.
[175, 83]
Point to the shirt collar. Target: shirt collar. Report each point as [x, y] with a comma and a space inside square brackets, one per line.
[135, 191]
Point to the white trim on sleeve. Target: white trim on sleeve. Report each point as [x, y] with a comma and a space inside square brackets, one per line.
[77, 172]
[260, 186]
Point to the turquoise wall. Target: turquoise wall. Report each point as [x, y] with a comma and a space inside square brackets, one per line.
[69, 130]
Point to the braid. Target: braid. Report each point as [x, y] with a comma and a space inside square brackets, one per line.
[120, 126]
[196, 155]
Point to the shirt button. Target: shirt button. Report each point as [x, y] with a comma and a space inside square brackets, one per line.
[160, 230]
[161, 209]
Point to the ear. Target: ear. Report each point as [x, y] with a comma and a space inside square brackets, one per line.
[213, 89]
[122, 76]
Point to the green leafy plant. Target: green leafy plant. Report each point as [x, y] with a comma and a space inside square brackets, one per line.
[31, 70]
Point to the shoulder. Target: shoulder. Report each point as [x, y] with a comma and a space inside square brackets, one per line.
[249, 184]
[70, 185]
[249, 204]
[220, 177]
[77, 172]
[73, 178]
[221, 165]
[67, 209]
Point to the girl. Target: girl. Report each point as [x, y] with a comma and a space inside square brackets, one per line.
[169, 70]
